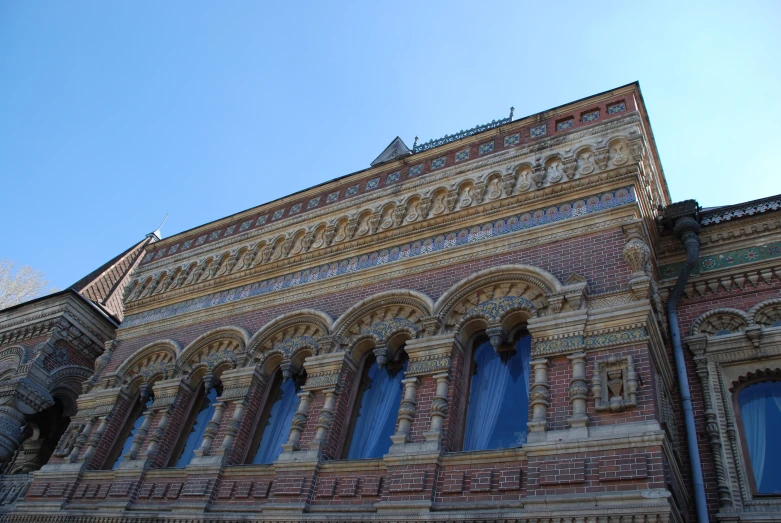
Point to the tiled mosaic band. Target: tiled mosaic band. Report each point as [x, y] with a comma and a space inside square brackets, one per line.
[726, 260]
[440, 242]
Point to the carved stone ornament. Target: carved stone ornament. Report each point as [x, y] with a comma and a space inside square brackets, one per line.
[614, 385]
[637, 254]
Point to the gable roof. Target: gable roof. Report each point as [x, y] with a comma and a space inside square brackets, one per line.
[395, 150]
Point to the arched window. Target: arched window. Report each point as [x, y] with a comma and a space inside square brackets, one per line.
[376, 407]
[201, 413]
[274, 425]
[138, 412]
[760, 412]
[498, 406]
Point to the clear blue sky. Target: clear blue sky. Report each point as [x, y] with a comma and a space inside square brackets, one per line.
[113, 114]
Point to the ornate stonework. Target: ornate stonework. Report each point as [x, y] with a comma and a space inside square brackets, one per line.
[544, 228]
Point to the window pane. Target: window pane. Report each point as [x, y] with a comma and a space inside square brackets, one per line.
[133, 431]
[760, 410]
[376, 421]
[498, 397]
[195, 437]
[277, 428]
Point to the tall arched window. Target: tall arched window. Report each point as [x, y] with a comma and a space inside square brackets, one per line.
[201, 413]
[274, 425]
[137, 414]
[760, 412]
[376, 407]
[498, 405]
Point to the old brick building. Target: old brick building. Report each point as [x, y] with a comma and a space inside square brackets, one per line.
[495, 326]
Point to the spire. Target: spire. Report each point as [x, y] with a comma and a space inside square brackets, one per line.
[157, 234]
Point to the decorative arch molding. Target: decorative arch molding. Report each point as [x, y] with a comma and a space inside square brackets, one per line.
[149, 361]
[382, 316]
[766, 313]
[20, 353]
[69, 373]
[752, 377]
[225, 345]
[721, 321]
[12, 358]
[494, 293]
[290, 332]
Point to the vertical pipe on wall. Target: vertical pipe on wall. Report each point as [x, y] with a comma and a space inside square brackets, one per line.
[686, 227]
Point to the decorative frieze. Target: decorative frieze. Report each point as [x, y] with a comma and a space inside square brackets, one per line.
[577, 208]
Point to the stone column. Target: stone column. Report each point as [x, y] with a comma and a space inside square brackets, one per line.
[81, 439]
[325, 420]
[407, 411]
[299, 421]
[233, 428]
[140, 436]
[159, 432]
[539, 400]
[578, 391]
[95, 438]
[439, 407]
[211, 430]
[429, 360]
[240, 385]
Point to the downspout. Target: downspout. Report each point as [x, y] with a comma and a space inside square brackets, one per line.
[684, 217]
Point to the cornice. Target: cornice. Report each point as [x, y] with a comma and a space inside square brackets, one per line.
[469, 216]
[553, 232]
[525, 153]
[509, 128]
[735, 234]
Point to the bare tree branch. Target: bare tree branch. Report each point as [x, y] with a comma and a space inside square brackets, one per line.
[20, 283]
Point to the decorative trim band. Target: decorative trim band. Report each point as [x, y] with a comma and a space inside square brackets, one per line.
[726, 260]
[574, 343]
[527, 220]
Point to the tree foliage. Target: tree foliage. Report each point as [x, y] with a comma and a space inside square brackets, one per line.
[20, 283]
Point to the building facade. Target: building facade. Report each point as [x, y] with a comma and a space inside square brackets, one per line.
[507, 324]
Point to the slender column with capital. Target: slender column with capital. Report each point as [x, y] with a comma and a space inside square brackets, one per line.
[439, 407]
[140, 436]
[159, 432]
[233, 428]
[81, 440]
[211, 430]
[299, 422]
[578, 391]
[95, 438]
[325, 420]
[539, 399]
[407, 411]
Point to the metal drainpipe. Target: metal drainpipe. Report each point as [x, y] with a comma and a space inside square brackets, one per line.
[684, 216]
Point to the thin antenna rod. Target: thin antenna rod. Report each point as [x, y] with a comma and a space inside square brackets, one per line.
[157, 232]
[163, 222]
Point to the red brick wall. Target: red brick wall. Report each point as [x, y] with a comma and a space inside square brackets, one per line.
[688, 310]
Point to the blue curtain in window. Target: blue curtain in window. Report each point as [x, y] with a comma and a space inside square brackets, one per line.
[760, 410]
[498, 397]
[137, 425]
[376, 421]
[277, 428]
[195, 437]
